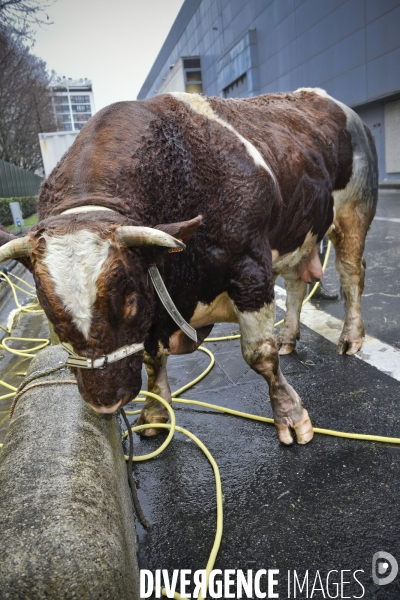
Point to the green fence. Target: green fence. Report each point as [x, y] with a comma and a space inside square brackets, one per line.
[16, 182]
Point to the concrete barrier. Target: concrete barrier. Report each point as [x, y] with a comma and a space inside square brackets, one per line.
[66, 518]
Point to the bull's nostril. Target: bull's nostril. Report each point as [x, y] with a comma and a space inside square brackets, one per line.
[106, 410]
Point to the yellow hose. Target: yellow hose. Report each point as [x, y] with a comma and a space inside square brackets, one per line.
[25, 353]
[28, 285]
[147, 426]
[342, 434]
[31, 308]
[7, 385]
[218, 535]
[173, 427]
[200, 377]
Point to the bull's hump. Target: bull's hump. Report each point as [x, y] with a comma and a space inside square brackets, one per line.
[201, 106]
[75, 262]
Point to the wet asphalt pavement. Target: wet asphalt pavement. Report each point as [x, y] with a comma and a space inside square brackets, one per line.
[330, 505]
[326, 506]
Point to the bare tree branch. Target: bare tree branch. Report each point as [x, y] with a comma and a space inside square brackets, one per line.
[25, 104]
[20, 17]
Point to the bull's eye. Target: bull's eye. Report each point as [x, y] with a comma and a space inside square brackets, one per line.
[130, 306]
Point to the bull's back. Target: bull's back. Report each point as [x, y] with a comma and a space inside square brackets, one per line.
[303, 138]
[321, 152]
[267, 164]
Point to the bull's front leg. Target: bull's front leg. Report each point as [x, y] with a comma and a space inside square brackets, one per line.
[153, 411]
[260, 351]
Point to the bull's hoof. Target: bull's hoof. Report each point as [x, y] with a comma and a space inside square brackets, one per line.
[347, 346]
[287, 342]
[303, 429]
[284, 434]
[286, 348]
[146, 417]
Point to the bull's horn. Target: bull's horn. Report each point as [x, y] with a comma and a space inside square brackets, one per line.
[18, 248]
[129, 235]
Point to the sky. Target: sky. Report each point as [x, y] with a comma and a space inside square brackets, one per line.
[112, 42]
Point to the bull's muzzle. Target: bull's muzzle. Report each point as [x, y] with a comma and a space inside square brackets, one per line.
[106, 410]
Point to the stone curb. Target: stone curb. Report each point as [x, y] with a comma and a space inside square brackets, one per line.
[66, 518]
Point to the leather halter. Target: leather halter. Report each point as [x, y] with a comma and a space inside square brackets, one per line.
[83, 362]
[169, 305]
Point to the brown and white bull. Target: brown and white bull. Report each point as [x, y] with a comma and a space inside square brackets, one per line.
[250, 186]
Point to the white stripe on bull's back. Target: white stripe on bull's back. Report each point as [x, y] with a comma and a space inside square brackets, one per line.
[75, 262]
[200, 105]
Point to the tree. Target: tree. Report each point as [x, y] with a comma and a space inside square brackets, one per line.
[18, 17]
[25, 104]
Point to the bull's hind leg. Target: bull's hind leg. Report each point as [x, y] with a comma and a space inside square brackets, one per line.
[295, 292]
[153, 411]
[348, 238]
[260, 351]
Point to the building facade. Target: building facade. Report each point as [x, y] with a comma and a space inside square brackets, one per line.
[73, 103]
[350, 48]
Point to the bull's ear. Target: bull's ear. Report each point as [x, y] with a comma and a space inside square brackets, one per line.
[182, 231]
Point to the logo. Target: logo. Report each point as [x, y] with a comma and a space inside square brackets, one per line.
[381, 561]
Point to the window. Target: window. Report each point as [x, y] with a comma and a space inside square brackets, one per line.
[191, 63]
[194, 88]
[82, 118]
[63, 108]
[78, 125]
[80, 99]
[192, 72]
[81, 108]
[193, 76]
[60, 99]
[68, 126]
[66, 118]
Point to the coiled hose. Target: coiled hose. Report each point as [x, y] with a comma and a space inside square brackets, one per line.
[172, 427]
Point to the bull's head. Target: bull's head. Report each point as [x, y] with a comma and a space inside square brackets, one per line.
[92, 282]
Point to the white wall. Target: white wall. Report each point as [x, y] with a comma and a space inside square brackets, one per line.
[392, 136]
[54, 146]
[175, 80]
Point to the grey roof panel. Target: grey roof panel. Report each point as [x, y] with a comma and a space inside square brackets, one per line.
[383, 34]
[187, 11]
